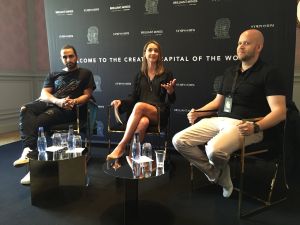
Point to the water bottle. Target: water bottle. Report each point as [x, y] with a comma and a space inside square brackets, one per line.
[136, 147]
[42, 145]
[70, 138]
[147, 151]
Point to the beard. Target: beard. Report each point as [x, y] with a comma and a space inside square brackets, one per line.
[71, 65]
[246, 56]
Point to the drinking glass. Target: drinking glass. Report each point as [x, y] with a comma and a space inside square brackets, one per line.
[77, 142]
[56, 139]
[160, 158]
[64, 142]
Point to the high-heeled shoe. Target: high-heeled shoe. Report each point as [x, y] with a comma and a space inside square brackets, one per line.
[110, 157]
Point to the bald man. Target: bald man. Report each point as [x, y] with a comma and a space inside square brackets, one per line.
[250, 89]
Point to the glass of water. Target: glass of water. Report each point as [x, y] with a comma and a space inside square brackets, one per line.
[77, 142]
[64, 142]
[56, 140]
[160, 158]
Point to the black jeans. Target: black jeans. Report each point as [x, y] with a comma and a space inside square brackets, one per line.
[38, 113]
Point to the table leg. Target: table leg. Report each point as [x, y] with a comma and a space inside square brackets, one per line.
[131, 213]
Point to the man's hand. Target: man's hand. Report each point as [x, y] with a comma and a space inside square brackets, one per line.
[246, 128]
[69, 103]
[192, 116]
[60, 102]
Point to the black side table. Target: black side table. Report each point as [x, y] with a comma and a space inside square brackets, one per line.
[54, 178]
[132, 173]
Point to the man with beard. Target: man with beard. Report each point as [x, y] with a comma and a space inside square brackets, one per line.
[251, 89]
[56, 104]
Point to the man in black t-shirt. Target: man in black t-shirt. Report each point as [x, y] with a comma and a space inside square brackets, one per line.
[249, 90]
[56, 104]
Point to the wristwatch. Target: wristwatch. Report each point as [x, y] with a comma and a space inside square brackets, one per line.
[256, 128]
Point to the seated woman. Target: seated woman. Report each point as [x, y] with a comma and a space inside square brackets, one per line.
[153, 87]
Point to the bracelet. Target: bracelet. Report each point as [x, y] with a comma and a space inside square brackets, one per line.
[75, 101]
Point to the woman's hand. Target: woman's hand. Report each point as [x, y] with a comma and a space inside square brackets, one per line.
[170, 86]
[116, 103]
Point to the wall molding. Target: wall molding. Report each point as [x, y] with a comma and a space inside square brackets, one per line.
[296, 88]
[21, 74]
[15, 90]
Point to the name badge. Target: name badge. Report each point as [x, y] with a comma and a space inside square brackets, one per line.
[228, 104]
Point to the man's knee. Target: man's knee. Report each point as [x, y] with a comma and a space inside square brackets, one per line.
[216, 156]
[177, 141]
[49, 112]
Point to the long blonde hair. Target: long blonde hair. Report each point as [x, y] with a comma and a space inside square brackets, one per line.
[159, 64]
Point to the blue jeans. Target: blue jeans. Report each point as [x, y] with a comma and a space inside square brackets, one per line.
[38, 113]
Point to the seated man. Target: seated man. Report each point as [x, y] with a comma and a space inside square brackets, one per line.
[249, 90]
[60, 93]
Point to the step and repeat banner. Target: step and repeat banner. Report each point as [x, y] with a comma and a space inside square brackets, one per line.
[198, 39]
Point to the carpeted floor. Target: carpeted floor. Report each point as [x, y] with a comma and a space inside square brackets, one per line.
[167, 200]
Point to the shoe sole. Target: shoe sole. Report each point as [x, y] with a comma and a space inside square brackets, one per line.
[17, 165]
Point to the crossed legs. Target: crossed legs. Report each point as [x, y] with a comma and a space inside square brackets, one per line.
[142, 116]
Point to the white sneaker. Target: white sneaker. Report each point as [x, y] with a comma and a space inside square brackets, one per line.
[225, 181]
[26, 180]
[23, 159]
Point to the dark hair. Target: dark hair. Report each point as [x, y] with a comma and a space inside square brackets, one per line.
[68, 47]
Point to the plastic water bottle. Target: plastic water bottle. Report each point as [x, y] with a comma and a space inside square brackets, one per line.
[70, 138]
[42, 145]
[136, 147]
[147, 151]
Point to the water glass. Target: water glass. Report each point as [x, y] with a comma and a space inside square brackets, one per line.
[57, 155]
[56, 139]
[77, 142]
[136, 169]
[64, 142]
[160, 158]
[160, 171]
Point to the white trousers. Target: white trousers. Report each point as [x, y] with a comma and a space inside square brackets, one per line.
[220, 136]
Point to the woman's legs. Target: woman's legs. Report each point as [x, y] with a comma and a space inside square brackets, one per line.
[142, 115]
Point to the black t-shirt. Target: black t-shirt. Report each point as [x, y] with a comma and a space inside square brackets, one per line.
[251, 89]
[70, 83]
